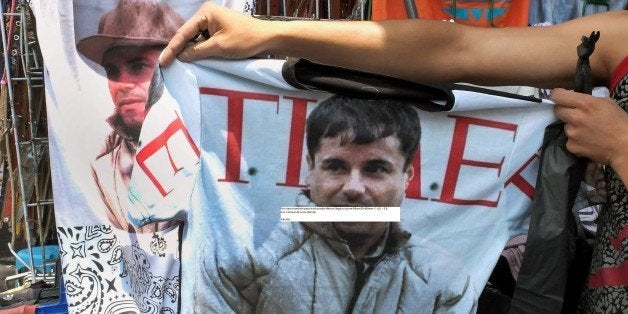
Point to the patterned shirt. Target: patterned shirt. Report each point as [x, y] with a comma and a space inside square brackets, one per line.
[608, 280]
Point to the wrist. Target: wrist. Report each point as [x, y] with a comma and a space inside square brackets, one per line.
[297, 39]
[619, 159]
[273, 38]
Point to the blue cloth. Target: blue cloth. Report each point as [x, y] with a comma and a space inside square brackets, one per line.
[559, 11]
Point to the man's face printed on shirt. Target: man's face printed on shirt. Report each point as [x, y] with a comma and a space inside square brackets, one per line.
[358, 175]
[129, 71]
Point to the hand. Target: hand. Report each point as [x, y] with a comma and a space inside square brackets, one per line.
[596, 128]
[233, 35]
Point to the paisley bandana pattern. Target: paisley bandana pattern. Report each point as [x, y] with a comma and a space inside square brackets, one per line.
[112, 273]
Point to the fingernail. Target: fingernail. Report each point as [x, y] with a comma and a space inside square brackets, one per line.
[184, 55]
[164, 59]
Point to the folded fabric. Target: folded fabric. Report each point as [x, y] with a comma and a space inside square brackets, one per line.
[513, 252]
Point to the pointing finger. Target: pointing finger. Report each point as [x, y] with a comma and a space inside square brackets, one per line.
[186, 33]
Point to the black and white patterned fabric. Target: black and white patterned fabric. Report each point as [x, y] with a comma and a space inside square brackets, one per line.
[608, 280]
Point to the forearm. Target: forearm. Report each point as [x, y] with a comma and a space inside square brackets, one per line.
[395, 48]
[419, 50]
[434, 51]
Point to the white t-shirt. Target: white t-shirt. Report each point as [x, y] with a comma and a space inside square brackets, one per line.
[474, 175]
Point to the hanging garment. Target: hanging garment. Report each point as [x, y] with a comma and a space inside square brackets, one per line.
[105, 268]
[245, 120]
[559, 11]
[550, 246]
[608, 279]
[505, 13]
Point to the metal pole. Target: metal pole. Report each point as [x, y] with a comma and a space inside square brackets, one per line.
[329, 9]
[16, 138]
[362, 6]
[34, 144]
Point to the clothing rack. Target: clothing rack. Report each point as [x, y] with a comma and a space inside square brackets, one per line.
[287, 10]
[26, 170]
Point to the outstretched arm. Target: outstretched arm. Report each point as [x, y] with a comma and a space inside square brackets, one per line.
[596, 128]
[418, 50]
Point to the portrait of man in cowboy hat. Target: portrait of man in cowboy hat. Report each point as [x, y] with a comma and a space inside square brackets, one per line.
[129, 40]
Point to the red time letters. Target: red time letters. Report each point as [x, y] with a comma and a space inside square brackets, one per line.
[451, 181]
